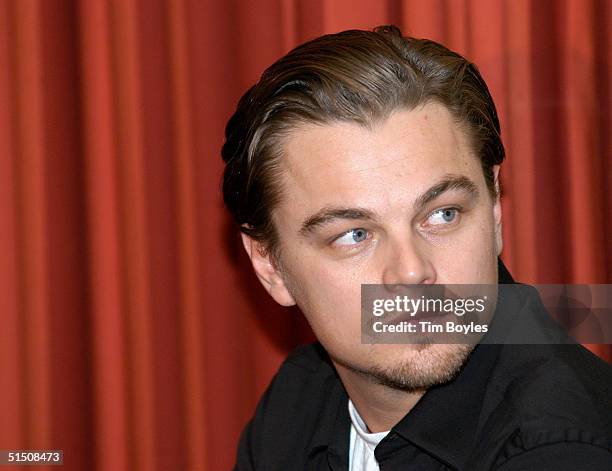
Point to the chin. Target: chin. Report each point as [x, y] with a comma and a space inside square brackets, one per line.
[419, 367]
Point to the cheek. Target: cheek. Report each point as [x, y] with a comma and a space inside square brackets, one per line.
[333, 291]
[329, 296]
[470, 256]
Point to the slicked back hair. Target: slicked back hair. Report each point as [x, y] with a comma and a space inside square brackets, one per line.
[353, 76]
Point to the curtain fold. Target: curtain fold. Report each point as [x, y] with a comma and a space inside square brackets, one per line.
[133, 333]
[110, 343]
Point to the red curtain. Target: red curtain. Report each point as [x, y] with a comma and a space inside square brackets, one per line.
[133, 334]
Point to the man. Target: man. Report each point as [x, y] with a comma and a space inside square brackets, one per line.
[369, 158]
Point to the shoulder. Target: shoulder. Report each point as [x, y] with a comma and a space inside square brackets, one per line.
[559, 398]
[306, 370]
[294, 408]
[307, 358]
[560, 456]
[557, 384]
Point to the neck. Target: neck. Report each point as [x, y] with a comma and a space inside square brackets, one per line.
[381, 407]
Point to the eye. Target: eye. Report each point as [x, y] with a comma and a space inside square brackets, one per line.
[443, 216]
[352, 237]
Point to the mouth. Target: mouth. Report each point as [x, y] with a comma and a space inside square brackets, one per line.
[432, 316]
[439, 314]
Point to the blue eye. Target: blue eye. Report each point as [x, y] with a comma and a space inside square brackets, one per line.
[352, 237]
[443, 216]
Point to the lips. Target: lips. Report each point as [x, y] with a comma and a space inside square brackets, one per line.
[418, 316]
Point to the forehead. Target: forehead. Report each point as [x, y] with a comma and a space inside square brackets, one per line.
[395, 160]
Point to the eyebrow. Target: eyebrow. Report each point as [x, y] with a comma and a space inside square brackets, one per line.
[448, 183]
[329, 214]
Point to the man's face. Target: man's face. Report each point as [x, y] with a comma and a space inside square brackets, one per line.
[404, 202]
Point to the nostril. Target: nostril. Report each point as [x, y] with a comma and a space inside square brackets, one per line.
[394, 288]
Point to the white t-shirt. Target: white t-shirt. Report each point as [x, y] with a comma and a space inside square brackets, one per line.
[361, 450]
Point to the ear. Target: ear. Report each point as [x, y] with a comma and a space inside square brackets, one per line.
[497, 212]
[268, 273]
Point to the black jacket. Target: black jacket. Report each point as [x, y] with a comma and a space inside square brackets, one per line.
[511, 408]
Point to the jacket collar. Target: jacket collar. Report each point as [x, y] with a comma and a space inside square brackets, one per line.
[446, 419]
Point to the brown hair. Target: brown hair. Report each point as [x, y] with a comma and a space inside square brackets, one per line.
[354, 76]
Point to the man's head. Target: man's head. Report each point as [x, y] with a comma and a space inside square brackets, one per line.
[365, 157]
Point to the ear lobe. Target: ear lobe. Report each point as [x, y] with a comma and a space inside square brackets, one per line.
[267, 273]
[497, 213]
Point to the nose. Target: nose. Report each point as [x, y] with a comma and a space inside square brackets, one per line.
[408, 263]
